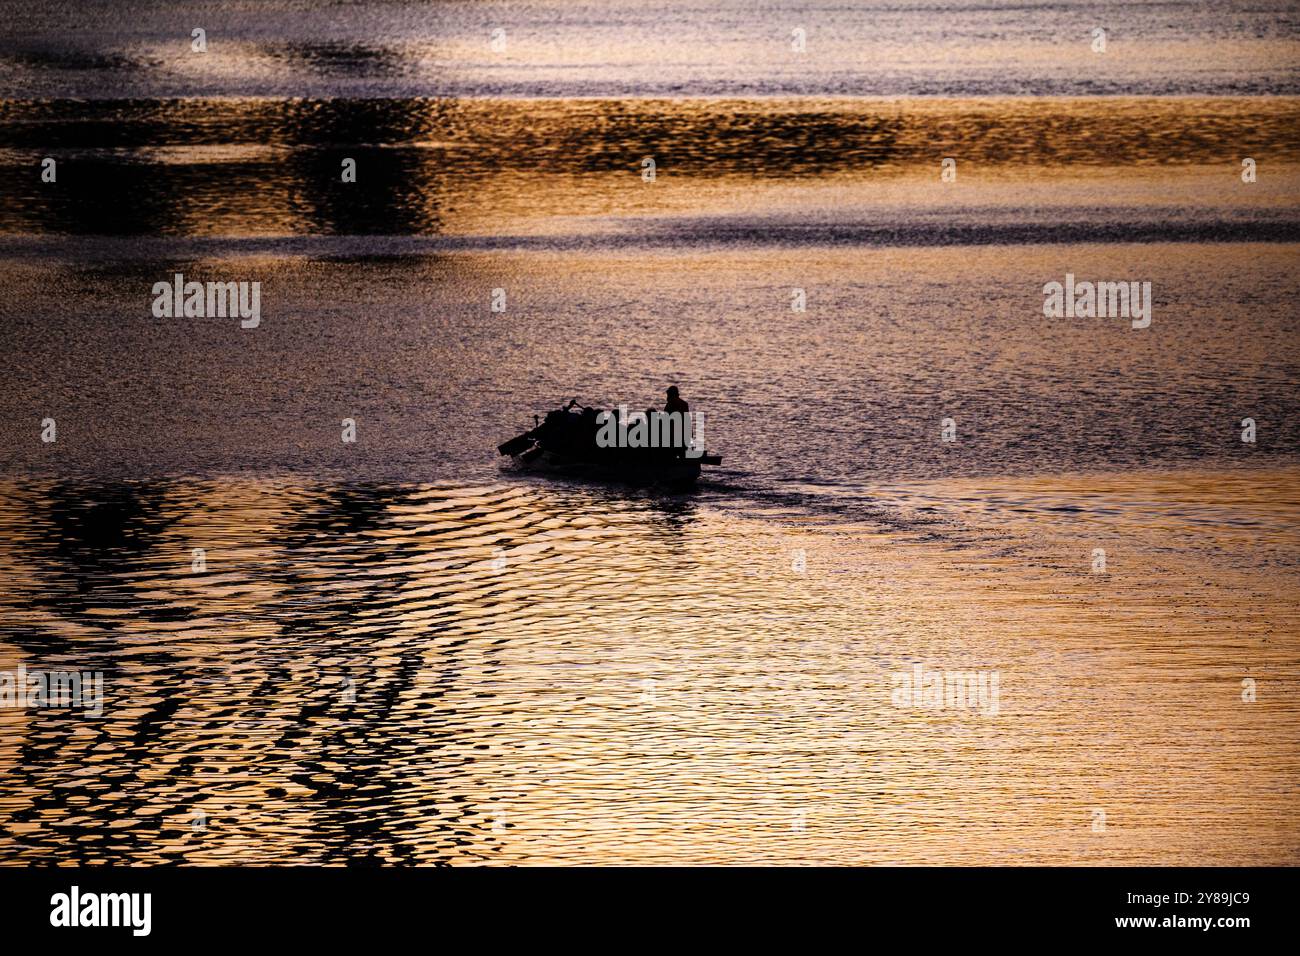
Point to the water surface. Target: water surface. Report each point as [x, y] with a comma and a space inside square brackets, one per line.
[397, 651]
[514, 674]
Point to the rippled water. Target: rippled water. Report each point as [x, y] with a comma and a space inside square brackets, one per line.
[568, 173]
[522, 674]
[396, 650]
[671, 48]
[852, 391]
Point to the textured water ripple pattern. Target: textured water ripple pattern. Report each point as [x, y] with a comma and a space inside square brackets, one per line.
[357, 682]
[672, 48]
[517, 673]
[470, 173]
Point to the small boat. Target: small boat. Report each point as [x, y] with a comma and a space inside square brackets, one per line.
[565, 444]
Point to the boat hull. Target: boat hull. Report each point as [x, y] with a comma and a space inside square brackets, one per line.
[675, 472]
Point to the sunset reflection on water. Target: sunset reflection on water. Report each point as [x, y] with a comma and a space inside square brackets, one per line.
[516, 674]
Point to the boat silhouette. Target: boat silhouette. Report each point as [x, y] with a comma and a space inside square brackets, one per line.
[573, 442]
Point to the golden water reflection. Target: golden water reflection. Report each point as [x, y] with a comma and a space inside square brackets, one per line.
[509, 167]
[524, 674]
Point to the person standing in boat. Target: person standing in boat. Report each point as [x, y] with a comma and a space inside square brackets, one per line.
[681, 434]
[675, 402]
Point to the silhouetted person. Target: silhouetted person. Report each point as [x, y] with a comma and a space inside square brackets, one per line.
[675, 402]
